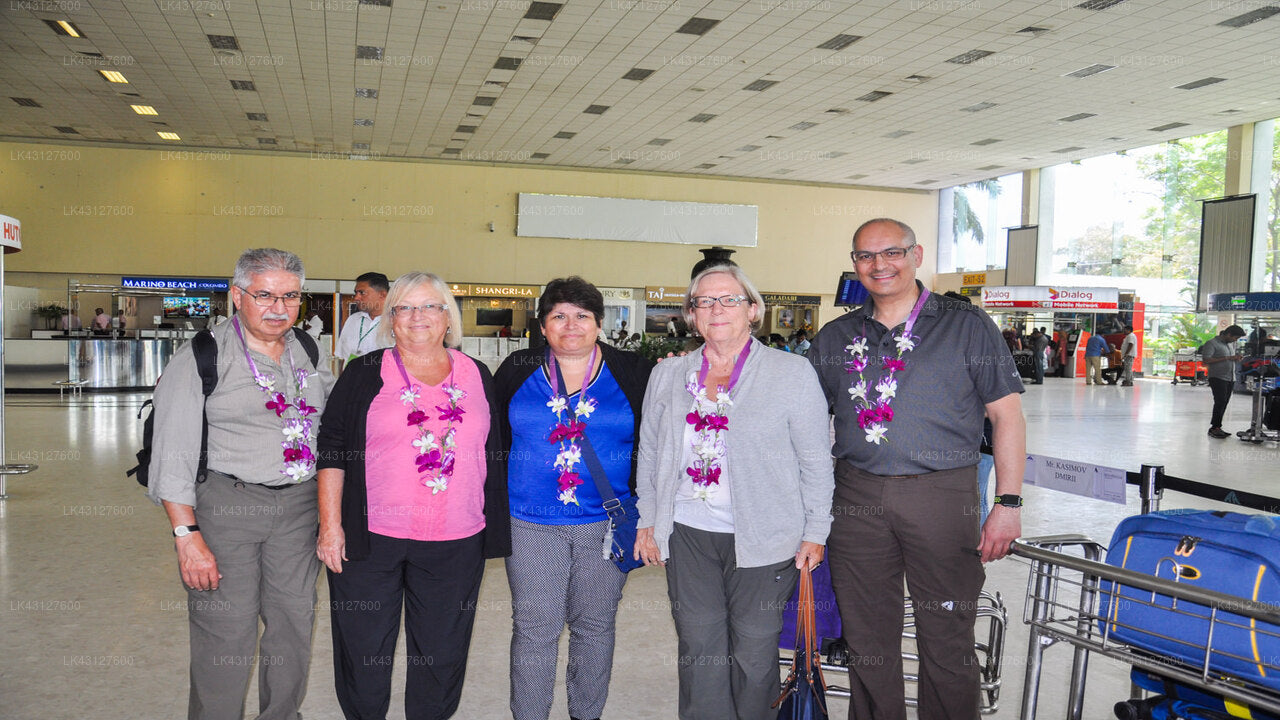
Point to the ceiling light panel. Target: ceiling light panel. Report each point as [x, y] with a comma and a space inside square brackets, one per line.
[1251, 17]
[1203, 82]
[970, 57]
[697, 26]
[840, 42]
[144, 109]
[1090, 70]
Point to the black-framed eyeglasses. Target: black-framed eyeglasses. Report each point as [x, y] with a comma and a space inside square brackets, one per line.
[706, 301]
[266, 299]
[893, 254]
[411, 310]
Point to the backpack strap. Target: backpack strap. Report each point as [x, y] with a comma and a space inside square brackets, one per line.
[206, 352]
[309, 344]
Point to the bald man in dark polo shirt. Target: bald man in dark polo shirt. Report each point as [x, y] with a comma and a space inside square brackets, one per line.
[909, 377]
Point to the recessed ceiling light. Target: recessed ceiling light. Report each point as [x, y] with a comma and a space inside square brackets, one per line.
[873, 96]
[760, 85]
[267, 141]
[26, 102]
[659, 141]
[1169, 126]
[370, 93]
[856, 177]
[1077, 116]
[624, 161]
[1098, 4]
[988, 141]
[224, 42]
[990, 167]
[1251, 17]
[540, 156]
[832, 155]
[246, 85]
[466, 129]
[542, 11]
[596, 109]
[838, 111]
[363, 122]
[704, 166]
[376, 3]
[451, 151]
[1034, 30]
[839, 42]
[67, 129]
[166, 135]
[144, 109]
[484, 100]
[1073, 148]
[897, 134]
[970, 57]
[748, 148]
[702, 117]
[257, 117]
[917, 78]
[637, 74]
[65, 28]
[913, 161]
[979, 107]
[1197, 84]
[564, 135]
[507, 63]
[926, 182]
[368, 52]
[113, 76]
[1090, 70]
[697, 26]
[803, 126]
[359, 146]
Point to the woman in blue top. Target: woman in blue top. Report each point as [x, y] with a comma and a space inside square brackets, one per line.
[557, 570]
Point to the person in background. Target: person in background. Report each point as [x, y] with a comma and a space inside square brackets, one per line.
[413, 499]
[734, 486]
[315, 324]
[802, 343]
[117, 322]
[505, 330]
[101, 322]
[1220, 359]
[245, 532]
[360, 334]
[557, 572]
[1128, 353]
[1094, 350]
[70, 321]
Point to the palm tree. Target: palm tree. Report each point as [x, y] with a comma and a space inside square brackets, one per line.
[964, 219]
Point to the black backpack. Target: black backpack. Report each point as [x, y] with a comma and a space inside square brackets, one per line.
[206, 352]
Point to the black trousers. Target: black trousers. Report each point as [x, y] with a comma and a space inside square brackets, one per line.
[1221, 388]
[438, 583]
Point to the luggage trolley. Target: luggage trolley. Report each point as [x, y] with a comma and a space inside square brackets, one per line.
[988, 643]
[1072, 598]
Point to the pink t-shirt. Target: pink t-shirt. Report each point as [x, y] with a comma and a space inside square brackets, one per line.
[400, 504]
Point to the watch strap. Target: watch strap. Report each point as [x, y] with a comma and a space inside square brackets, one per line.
[189, 529]
[1008, 500]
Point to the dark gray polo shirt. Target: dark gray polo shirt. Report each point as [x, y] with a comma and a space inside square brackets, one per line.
[959, 364]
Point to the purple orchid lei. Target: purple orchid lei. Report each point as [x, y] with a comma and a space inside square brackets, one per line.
[567, 432]
[874, 416]
[709, 419]
[299, 459]
[436, 456]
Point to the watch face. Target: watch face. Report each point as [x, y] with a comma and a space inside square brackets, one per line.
[181, 531]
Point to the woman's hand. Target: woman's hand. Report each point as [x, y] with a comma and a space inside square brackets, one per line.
[331, 547]
[809, 554]
[647, 548]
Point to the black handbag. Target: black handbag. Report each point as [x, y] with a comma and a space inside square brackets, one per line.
[804, 692]
[620, 539]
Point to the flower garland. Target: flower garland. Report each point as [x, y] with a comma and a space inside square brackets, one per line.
[299, 459]
[568, 432]
[710, 419]
[874, 416]
[436, 456]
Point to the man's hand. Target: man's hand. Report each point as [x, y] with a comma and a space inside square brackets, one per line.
[196, 562]
[1003, 526]
[647, 548]
[331, 547]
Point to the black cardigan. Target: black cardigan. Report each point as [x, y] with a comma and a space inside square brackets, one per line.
[341, 445]
[630, 369]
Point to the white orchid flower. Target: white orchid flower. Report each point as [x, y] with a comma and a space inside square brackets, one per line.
[585, 408]
[875, 433]
[265, 382]
[298, 470]
[292, 431]
[568, 497]
[456, 394]
[558, 403]
[425, 443]
[409, 395]
[858, 391]
[857, 347]
[887, 388]
[905, 343]
[438, 485]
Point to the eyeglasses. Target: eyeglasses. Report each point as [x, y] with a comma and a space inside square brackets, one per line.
[411, 310]
[706, 301]
[893, 254]
[266, 299]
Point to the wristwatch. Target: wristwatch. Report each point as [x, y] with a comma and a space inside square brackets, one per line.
[1008, 500]
[185, 530]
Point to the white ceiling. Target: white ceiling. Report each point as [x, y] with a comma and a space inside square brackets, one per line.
[1001, 113]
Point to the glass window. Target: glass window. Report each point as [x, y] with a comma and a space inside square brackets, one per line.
[971, 235]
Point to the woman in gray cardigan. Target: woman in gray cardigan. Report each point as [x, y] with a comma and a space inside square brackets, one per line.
[734, 486]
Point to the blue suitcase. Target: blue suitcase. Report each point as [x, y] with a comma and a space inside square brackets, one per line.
[1176, 700]
[1228, 552]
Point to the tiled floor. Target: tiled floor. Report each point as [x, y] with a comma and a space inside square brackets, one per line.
[92, 621]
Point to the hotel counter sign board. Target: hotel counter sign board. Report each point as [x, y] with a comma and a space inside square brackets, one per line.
[1039, 297]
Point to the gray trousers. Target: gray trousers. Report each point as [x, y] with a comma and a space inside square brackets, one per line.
[728, 620]
[265, 545]
[1128, 370]
[559, 576]
[924, 528]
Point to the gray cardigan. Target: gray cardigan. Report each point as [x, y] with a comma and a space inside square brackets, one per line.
[779, 447]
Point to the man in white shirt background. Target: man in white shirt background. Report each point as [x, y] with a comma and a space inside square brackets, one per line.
[359, 334]
[1128, 352]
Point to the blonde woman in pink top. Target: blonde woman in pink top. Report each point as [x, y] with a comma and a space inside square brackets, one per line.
[413, 499]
